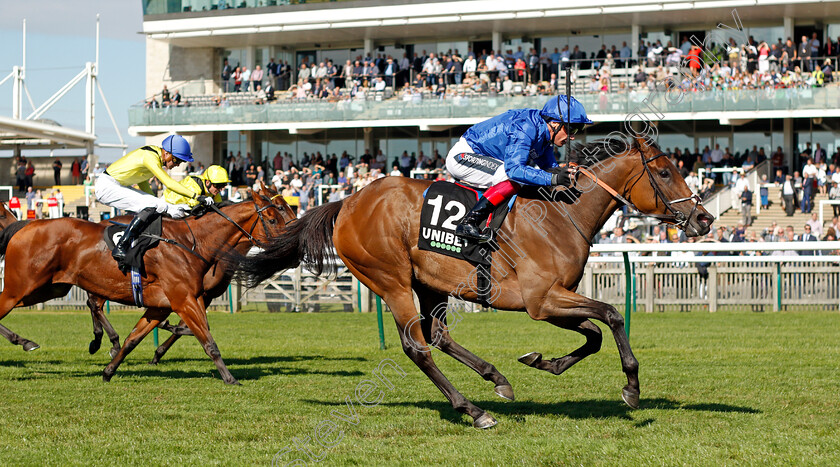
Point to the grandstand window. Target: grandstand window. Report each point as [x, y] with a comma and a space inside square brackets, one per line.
[828, 140]
[675, 140]
[769, 34]
[746, 140]
[236, 57]
[236, 141]
[338, 146]
[396, 146]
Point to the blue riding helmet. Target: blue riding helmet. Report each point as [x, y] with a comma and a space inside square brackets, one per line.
[178, 146]
[552, 113]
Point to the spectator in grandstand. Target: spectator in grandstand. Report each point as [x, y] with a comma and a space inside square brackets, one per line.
[764, 192]
[807, 236]
[834, 195]
[76, 171]
[246, 79]
[746, 204]
[57, 171]
[237, 79]
[803, 54]
[227, 72]
[815, 225]
[788, 194]
[257, 77]
[807, 202]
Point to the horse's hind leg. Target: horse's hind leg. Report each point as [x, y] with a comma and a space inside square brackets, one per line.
[161, 351]
[415, 347]
[15, 339]
[558, 304]
[144, 326]
[433, 309]
[559, 365]
[96, 303]
[7, 302]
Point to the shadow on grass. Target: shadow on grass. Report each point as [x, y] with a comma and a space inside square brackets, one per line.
[579, 409]
[244, 369]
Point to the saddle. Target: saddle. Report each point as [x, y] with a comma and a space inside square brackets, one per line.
[148, 239]
[444, 205]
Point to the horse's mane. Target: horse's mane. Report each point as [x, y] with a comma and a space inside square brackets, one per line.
[7, 233]
[589, 154]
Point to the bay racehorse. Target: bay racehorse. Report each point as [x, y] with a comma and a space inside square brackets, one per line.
[45, 258]
[543, 247]
[215, 284]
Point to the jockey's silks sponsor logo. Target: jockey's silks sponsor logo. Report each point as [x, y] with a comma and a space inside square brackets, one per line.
[443, 240]
[474, 160]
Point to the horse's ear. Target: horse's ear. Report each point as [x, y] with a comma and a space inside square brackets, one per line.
[262, 186]
[642, 142]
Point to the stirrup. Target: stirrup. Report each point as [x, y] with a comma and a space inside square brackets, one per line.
[472, 232]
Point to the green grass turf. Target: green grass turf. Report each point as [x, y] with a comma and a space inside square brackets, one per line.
[717, 389]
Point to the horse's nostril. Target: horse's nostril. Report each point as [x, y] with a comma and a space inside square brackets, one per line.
[704, 219]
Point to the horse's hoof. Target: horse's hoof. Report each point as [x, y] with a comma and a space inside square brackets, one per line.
[485, 421]
[531, 359]
[505, 391]
[631, 397]
[106, 377]
[29, 346]
[154, 361]
[113, 352]
[233, 383]
[94, 347]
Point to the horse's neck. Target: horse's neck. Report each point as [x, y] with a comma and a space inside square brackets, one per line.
[216, 235]
[595, 206]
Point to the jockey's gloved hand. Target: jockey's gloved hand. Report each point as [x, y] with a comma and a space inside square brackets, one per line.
[563, 178]
[162, 206]
[205, 200]
[177, 211]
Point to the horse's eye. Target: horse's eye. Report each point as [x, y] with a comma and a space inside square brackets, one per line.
[272, 221]
[664, 173]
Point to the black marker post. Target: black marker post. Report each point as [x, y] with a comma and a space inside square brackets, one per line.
[568, 66]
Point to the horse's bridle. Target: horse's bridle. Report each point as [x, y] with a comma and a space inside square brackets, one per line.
[259, 210]
[676, 217]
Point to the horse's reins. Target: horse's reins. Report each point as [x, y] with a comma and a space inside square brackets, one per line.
[677, 218]
[259, 210]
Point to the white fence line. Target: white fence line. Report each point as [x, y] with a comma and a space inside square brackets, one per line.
[663, 281]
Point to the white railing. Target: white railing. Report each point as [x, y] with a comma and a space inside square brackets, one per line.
[775, 280]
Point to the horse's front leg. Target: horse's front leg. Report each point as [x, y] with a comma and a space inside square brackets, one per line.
[194, 315]
[569, 310]
[147, 323]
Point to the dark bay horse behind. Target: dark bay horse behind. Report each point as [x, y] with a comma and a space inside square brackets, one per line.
[215, 284]
[543, 247]
[45, 258]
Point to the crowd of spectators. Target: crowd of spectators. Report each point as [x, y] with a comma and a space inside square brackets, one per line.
[732, 66]
[811, 231]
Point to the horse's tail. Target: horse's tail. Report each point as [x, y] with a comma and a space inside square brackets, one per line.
[6, 235]
[307, 240]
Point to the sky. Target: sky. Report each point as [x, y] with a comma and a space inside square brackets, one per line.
[60, 38]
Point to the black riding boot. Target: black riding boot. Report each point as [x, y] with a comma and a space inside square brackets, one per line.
[470, 226]
[140, 222]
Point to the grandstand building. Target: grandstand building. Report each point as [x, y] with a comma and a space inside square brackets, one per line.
[188, 42]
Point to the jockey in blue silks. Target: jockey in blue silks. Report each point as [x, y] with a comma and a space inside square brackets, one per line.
[500, 155]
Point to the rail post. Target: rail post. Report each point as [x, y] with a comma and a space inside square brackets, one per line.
[379, 322]
[155, 336]
[777, 304]
[628, 300]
